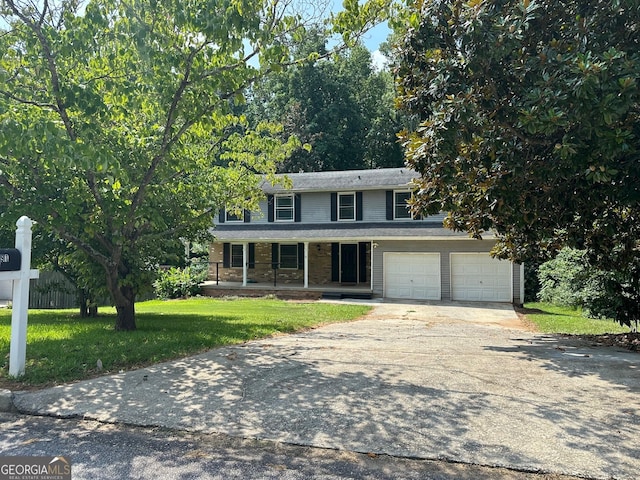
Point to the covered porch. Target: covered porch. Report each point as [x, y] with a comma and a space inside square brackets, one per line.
[319, 268]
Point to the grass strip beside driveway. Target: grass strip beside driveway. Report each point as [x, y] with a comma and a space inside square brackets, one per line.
[548, 318]
[62, 347]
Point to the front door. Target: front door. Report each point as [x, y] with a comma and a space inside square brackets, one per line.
[349, 263]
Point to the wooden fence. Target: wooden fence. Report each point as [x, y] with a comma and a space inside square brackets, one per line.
[52, 290]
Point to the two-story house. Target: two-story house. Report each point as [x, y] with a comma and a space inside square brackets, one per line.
[351, 231]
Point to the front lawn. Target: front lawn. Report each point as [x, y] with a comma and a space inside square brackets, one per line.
[549, 318]
[63, 347]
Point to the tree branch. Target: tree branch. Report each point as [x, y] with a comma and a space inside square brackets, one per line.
[36, 28]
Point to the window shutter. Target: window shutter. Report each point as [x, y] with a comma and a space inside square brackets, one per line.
[226, 255]
[301, 256]
[389, 204]
[362, 247]
[222, 215]
[247, 216]
[334, 207]
[252, 255]
[270, 208]
[297, 201]
[359, 206]
[335, 262]
[275, 256]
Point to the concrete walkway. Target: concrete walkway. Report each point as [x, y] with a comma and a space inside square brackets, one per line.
[465, 383]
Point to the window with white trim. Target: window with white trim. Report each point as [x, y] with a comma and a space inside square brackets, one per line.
[236, 255]
[289, 256]
[401, 209]
[346, 206]
[284, 208]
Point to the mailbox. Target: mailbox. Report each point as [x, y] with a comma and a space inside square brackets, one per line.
[10, 259]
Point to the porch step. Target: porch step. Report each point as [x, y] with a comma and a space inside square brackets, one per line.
[341, 295]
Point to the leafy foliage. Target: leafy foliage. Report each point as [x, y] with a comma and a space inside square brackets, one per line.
[569, 280]
[562, 279]
[336, 105]
[179, 282]
[117, 128]
[527, 120]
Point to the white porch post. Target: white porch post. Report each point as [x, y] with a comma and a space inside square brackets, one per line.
[245, 262]
[306, 264]
[373, 246]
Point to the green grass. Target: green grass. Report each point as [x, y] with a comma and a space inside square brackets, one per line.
[63, 347]
[555, 319]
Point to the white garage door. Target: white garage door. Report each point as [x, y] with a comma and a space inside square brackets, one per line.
[412, 275]
[479, 277]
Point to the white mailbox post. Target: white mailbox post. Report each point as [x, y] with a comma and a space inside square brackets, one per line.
[20, 293]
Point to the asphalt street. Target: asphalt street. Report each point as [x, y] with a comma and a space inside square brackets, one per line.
[106, 451]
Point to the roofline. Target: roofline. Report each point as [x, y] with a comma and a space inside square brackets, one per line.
[348, 239]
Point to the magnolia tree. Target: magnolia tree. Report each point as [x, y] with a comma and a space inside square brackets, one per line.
[526, 122]
[117, 131]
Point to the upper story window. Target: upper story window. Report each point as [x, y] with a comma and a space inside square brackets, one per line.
[401, 209]
[346, 206]
[284, 208]
[232, 217]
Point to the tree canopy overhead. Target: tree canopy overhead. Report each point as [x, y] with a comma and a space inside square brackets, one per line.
[117, 124]
[527, 122]
[337, 104]
[526, 118]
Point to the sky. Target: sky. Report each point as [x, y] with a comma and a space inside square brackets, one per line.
[372, 40]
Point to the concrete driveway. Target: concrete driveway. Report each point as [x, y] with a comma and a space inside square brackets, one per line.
[465, 383]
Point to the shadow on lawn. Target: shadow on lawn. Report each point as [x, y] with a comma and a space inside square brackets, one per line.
[53, 358]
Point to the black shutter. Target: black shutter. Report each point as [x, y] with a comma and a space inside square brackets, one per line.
[389, 204]
[226, 255]
[359, 206]
[252, 255]
[297, 201]
[362, 247]
[275, 256]
[301, 256]
[334, 207]
[335, 262]
[221, 216]
[247, 216]
[270, 208]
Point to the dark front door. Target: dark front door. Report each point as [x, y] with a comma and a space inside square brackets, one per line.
[349, 263]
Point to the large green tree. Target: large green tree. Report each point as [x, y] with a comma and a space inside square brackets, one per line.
[117, 131]
[335, 103]
[526, 121]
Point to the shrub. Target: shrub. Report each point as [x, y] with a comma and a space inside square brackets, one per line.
[562, 278]
[179, 282]
[570, 280]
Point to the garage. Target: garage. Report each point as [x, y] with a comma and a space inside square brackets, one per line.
[478, 277]
[413, 276]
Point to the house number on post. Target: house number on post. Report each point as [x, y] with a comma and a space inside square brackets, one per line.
[9, 259]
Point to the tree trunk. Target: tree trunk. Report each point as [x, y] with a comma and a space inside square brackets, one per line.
[124, 297]
[126, 319]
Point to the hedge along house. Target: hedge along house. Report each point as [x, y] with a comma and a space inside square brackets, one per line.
[350, 233]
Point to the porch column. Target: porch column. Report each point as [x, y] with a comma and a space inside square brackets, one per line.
[306, 264]
[245, 262]
[373, 245]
